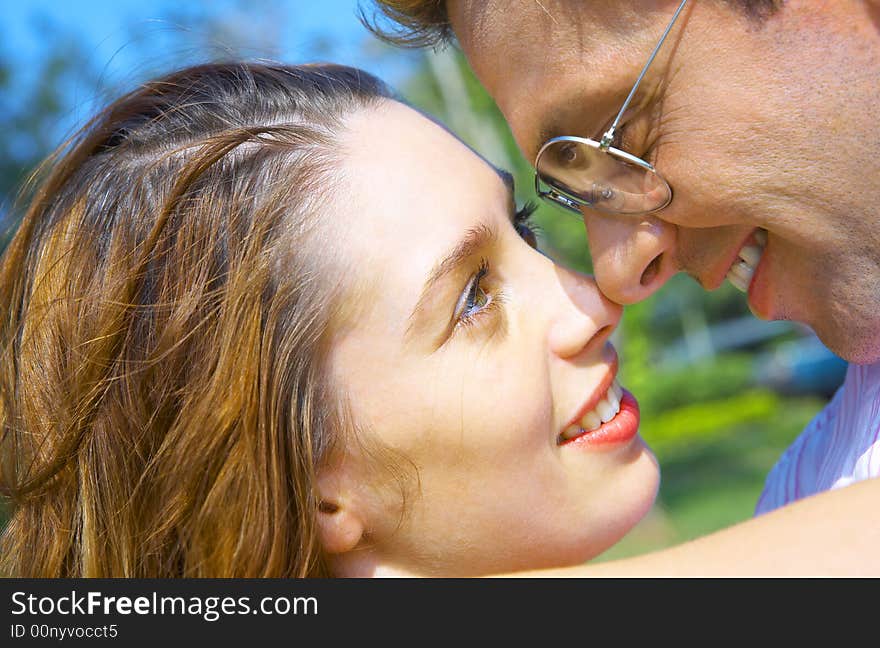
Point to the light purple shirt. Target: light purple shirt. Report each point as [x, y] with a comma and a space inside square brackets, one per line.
[841, 445]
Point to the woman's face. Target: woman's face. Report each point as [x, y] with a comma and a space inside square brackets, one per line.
[469, 353]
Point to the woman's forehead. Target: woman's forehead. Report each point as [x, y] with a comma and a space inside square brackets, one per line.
[415, 191]
[413, 183]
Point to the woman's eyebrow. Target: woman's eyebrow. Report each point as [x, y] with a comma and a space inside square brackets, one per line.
[475, 238]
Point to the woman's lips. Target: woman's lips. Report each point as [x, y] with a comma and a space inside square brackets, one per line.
[619, 430]
[599, 393]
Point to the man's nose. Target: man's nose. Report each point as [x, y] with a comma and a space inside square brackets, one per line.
[632, 255]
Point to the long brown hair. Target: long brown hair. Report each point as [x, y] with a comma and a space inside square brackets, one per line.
[166, 304]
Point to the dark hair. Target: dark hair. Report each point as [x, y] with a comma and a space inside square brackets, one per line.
[425, 23]
[167, 302]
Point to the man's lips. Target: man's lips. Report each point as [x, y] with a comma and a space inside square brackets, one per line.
[713, 280]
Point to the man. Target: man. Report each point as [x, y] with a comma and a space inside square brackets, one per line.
[756, 159]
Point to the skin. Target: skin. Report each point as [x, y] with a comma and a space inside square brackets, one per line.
[495, 491]
[754, 122]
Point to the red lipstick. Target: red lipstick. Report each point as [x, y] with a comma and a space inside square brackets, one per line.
[618, 431]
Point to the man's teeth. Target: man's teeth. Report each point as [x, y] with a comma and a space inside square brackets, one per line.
[605, 410]
[761, 236]
[741, 273]
[751, 254]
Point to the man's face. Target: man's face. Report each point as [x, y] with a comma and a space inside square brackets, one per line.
[758, 124]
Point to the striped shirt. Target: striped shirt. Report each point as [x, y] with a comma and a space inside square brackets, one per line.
[841, 445]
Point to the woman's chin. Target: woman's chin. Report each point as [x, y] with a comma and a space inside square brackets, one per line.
[633, 505]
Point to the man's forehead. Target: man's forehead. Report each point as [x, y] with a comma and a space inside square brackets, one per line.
[552, 66]
[513, 38]
[532, 23]
[477, 22]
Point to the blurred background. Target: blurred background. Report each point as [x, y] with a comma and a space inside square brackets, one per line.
[721, 393]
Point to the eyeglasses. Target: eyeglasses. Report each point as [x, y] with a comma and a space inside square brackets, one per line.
[583, 172]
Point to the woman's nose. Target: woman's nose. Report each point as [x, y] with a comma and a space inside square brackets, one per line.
[632, 256]
[584, 317]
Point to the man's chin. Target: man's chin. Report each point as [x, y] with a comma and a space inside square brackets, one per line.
[851, 343]
[860, 355]
[848, 333]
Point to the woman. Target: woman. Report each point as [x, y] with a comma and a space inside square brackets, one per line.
[269, 321]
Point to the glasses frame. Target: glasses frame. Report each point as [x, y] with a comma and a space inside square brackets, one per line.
[573, 203]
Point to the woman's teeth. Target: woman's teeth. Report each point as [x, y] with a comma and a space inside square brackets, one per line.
[605, 410]
[742, 271]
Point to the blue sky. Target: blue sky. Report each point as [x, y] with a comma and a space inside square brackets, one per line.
[304, 28]
[126, 41]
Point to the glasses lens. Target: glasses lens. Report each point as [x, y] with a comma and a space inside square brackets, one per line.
[604, 180]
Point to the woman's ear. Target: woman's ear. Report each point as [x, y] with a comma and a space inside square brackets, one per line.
[340, 523]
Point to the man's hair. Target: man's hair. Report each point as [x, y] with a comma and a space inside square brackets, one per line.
[410, 23]
[425, 23]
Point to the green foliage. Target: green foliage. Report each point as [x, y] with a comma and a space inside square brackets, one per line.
[701, 420]
[723, 376]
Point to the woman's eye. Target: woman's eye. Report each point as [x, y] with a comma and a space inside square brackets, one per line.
[475, 298]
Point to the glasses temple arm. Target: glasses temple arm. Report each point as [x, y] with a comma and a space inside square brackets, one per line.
[609, 134]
